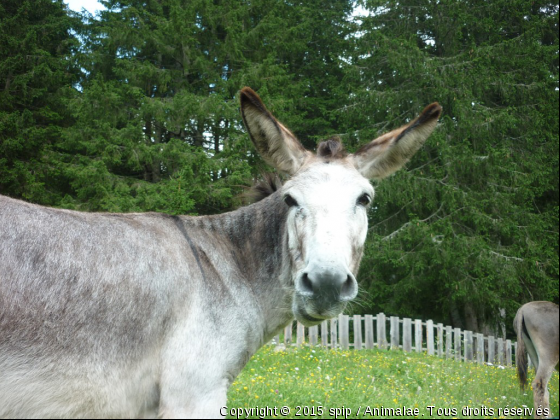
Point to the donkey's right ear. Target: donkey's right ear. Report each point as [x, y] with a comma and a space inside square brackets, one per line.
[274, 142]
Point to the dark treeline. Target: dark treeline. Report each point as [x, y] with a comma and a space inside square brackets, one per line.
[136, 110]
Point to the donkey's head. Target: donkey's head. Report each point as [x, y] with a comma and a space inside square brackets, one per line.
[327, 197]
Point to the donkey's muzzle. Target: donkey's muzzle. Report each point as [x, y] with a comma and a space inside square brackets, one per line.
[325, 288]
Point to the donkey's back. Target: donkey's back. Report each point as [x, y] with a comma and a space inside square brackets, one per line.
[82, 315]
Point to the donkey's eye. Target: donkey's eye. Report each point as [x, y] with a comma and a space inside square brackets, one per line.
[364, 199]
[290, 201]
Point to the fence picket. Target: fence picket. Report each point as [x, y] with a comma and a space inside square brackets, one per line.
[448, 341]
[288, 336]
[418, 335]
[395, 333]
[430, 337]
[357, 332]
[457, 344]
[343, 332]
[381, 334]
[368, 321]
[334, 331]
[313, 335]
[324, 334]
[508, 352]
[407, 334]
[300, 336]
[468, 345]
[439, 340]
[500, 351]
[491, 350]
[479, 348]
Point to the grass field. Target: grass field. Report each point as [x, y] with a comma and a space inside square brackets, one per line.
[318, 383]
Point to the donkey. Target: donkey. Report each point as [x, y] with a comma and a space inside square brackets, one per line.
[138, 315]
[536, 326]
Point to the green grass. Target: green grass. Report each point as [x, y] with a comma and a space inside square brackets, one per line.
[311, 378]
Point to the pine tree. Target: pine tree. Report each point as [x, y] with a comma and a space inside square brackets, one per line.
[36, 77]
[472, 226]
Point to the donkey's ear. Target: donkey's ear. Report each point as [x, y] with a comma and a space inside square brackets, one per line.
[388, 153]
[274, 142]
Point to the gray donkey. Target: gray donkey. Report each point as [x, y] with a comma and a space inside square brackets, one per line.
[536, 325]
[138, 315]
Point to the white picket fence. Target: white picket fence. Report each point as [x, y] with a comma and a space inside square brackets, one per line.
[369, 331]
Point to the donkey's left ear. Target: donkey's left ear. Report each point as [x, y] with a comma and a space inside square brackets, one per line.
[274, 142]
[388, 153]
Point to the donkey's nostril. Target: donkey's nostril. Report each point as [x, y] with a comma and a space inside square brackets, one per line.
[349, 288]
[306, 284]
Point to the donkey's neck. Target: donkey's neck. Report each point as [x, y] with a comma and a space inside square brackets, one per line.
[257, 244]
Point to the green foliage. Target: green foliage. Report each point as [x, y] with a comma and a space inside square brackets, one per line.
[158, 115]
[35, 80]
[472, 226]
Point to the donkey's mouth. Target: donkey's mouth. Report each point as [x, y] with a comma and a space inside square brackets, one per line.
[303, 316]
[309, 317]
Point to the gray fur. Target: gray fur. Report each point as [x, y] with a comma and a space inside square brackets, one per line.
[91, 303]
[536, 325]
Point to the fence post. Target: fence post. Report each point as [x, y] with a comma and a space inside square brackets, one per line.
[440, 340]
[395, 333]
[448, 341]
[407, 335]
[357, 332]
[300, 334]
[457, 344]
[491, 350]
[288, 335]
[430, 336]
[508, 352]
[324, 334]
[418, 335]
[381, 335]
[368, 321]
[479, 348]
[343, 332]
[500, 351]
[313, 335]
[334, 331]
[468, 345]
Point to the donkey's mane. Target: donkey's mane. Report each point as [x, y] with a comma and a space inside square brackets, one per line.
[266, 186]
[269, 183]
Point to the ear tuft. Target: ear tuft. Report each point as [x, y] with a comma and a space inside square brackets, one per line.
[331, 148]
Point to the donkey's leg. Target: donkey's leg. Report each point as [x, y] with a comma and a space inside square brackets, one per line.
[193, 386]
[200, 361]
[194, 377]
[540, 388]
